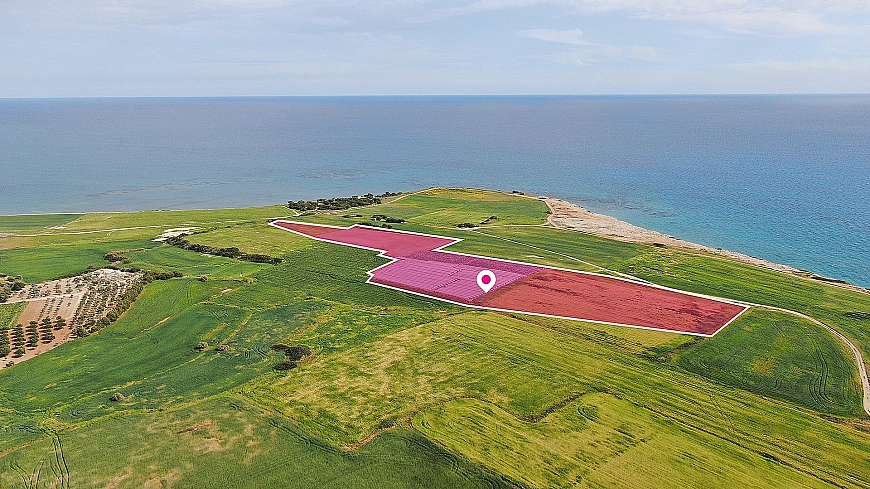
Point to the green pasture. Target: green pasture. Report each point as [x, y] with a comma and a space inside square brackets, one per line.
[34, 223]
[406, 391]
[598, 440]
[253, 238]
[229, 443]
[166, 258]
[782, 356]
[51, 262]
[9, 314]
[179, 218]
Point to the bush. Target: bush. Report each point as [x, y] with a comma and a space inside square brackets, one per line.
[297, 352]
[466, 225]
[386, 423]
[293, 353]
[117, 397]
[203, 278]
[201, 346]
[283, 366]
[115, 257]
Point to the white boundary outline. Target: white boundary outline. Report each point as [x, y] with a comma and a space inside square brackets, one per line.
[381, 253]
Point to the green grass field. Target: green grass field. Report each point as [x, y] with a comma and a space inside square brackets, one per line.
[404, 391]
[9, 314]
[34, 223]
[39, 264]
[780, 356]
[166, 258]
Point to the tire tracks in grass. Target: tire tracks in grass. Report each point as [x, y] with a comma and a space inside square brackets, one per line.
[856, 352]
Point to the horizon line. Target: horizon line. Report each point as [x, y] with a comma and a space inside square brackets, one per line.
[456, 95]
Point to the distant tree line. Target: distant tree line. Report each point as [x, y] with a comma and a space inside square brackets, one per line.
[231, 252]
[338, 203]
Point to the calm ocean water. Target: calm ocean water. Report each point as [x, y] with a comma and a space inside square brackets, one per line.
[786, 178]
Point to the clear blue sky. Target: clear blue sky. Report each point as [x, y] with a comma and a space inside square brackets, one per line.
[344, 47]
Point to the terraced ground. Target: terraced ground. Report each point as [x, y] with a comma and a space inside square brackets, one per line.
[403, 391]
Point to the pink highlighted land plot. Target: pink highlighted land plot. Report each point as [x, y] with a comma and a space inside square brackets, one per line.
[419, 265]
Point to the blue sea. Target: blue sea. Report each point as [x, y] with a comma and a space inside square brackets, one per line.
[786, 178]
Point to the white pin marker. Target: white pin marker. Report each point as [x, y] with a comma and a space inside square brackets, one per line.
[485, 280]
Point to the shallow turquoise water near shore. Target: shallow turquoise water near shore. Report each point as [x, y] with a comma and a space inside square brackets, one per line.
[785, 178]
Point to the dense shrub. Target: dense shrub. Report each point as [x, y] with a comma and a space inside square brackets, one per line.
[285, 366]
[297, 352]
[293, 353]
[115, 257]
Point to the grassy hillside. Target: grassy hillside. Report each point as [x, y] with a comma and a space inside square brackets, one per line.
[780, 356]
[43, 263]
[228, 443]
[405, 391]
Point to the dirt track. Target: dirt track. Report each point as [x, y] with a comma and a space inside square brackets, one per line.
[565, 215]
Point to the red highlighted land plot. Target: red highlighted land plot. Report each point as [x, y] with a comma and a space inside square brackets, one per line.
[420, 265]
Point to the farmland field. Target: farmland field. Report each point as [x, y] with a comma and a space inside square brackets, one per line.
[191, 386]
[9, 314]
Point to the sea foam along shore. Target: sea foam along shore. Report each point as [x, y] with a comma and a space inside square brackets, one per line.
[566, 215]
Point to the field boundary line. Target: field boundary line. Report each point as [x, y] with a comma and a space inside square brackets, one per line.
[440, 249]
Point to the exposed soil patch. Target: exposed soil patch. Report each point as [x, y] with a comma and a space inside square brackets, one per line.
[58, 310]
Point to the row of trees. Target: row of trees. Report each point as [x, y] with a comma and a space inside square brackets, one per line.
[339, 203]
[334, 204]
[16, 338]
[231, 252]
